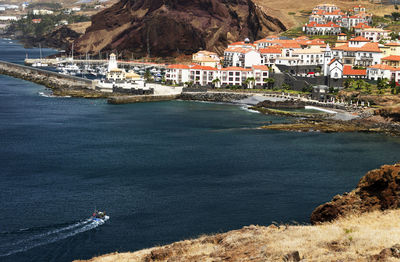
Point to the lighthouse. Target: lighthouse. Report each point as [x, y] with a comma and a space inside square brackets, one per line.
[112, 63]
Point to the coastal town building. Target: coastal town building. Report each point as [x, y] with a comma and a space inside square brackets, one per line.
[42, 12]
[241, 57]
[206, 58]
[118, 80]
[329, 28]
[392, 60]
[349, 72]
[328, 19]
[380, 71]
[208, 76]
[358, 51]
[374, 34]
[269, 55]
[390, 48]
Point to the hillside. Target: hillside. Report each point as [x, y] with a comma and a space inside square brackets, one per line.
[173, 27]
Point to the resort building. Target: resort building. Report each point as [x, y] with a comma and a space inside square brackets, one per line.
[380, 71]
[208, 76]
[206, 58]
[374, 34]
[349, 72]
[241, 57]
[392, 60]
[329, 28]
[358, 51]
[391, 48]
[269, 55]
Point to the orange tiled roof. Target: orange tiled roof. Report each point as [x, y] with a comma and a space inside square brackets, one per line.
[199, 67]
[359, 39]
[361, 26]
[238, 50]
[392, 44]
[383, 67]
[235, 68]
[368, 47]
[348, 70]
[271, 50]
[329, 24]
[242, 43]
[178, 66]
[261, 67]
[392, 58]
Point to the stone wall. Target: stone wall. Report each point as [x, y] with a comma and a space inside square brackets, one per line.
[212, 96]
[140, 98]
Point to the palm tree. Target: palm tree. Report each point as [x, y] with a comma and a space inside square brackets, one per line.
[270, 82]
[250, 81]
[216, 82]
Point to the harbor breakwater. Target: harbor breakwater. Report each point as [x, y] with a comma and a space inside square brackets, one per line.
[61, 84]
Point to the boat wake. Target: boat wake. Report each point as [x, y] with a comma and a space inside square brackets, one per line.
[51, 95]
[35, 237]
[246, 108]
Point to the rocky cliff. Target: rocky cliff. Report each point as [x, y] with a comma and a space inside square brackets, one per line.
[379, 189]
[171, 27]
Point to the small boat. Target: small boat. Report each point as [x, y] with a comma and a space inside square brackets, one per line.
[99, 216]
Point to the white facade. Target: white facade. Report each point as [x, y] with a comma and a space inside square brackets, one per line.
[202, 75]
[42, 12]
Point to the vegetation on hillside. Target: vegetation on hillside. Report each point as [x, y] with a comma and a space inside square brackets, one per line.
[26, 26]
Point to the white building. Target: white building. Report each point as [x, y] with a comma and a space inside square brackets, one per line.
[241, 57]
[358, 51]
[374, 34]
[269, 55]
[8, 18]
[335, 69]
[177, 73]
[206, 58]
[207, 76]
[380, 71]
[329, 28]
[42, 12]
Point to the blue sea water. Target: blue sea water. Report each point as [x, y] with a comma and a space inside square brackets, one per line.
[163, 171]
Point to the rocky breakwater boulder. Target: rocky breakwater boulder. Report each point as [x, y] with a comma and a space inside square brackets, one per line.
[162, 28]
[287, 104]
[379, 189]
[391, 113]
[212, 97]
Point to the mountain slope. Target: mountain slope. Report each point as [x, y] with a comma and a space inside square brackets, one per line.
[172, 27]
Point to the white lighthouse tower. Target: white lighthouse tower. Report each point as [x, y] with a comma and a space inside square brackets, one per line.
[327, 59]
[112, 63]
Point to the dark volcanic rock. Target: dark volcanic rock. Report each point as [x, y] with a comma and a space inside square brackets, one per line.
[379, 189]
[172, 27]
[282, 104]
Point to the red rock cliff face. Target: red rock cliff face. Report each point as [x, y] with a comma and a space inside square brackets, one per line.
[172, 27]
[379, 189]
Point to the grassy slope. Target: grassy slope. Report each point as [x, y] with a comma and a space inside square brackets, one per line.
[354, 238]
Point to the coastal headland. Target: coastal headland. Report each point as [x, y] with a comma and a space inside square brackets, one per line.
[356, 226]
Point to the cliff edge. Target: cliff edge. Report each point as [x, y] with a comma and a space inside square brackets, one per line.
[379, 189]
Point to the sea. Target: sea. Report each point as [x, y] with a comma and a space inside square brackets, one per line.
[162, 171]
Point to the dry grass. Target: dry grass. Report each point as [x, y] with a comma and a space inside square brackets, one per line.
[355, 238]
